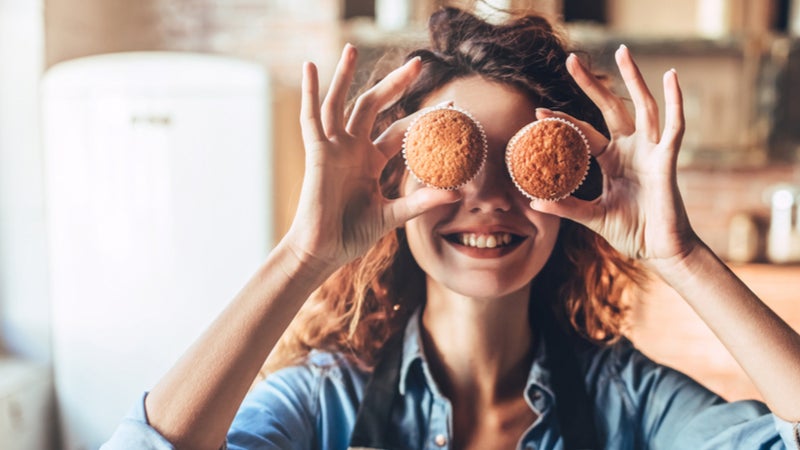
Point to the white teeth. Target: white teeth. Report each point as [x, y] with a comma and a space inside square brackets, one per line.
[485, 240]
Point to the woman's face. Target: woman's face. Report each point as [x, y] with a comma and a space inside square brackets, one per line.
[490, 211]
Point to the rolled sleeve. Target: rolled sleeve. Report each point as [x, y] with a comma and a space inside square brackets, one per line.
[134, 432]
[789, 431]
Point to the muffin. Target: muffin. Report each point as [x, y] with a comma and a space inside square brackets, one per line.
[444, 147]
[548, 159]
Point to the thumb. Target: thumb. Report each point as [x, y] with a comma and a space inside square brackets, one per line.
[572, 208]
[399, 211]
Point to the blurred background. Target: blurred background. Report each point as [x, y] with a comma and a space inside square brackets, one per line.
[150, 156]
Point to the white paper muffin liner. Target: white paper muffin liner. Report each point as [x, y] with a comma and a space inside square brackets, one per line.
[484, 144]
[524, 130]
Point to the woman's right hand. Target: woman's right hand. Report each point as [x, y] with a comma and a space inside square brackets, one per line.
[341, 211]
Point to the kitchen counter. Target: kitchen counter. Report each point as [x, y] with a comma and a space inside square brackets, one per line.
[666, 329]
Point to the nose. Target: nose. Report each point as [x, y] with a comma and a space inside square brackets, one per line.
[491, 190]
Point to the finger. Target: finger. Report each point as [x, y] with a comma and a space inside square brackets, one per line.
[310, 123]
[643, 101]
[400, 210]
[614, 111]
[333, 106]
[597, 142]
[381, 95]
[391, 140]
[674, 120]
[580, 211]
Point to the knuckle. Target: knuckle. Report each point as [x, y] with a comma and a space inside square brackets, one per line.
[306, 122]
[365, 101]
[328, 106]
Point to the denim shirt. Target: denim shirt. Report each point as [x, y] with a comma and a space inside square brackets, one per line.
[638, 404]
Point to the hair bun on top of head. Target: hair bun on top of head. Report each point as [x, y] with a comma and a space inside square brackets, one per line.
[450, 26]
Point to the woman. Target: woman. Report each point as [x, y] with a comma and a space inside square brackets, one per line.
[416, 340]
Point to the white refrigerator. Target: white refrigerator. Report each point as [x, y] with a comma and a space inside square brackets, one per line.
[159, 196]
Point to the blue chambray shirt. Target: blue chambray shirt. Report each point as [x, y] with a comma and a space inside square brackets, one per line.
[638, 405]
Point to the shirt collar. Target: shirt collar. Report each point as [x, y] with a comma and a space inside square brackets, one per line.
[539, 376]
[412, 349]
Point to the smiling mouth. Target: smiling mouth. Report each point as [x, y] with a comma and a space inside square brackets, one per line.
[485, 240]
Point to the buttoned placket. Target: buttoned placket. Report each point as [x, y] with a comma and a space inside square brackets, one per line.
[439, 426]
[537, 399]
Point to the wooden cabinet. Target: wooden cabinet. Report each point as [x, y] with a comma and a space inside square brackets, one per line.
[666, 329]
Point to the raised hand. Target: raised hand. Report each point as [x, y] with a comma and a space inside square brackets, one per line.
[640, 212]
[341, 211]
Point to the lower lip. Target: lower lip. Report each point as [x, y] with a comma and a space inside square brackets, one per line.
[484, 253]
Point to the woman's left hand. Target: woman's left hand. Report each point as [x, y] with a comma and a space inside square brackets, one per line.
[640, 212]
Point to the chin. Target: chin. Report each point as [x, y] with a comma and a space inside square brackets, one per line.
[478, 287]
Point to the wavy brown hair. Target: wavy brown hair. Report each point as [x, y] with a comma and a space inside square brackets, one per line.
[583, 283]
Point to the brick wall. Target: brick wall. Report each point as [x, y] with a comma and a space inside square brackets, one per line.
[279, 33]
[714, 196]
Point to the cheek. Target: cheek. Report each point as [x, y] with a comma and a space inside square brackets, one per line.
[419, 242]
[548, 227]
[418, 231]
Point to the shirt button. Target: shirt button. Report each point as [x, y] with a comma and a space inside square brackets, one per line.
[537, 395]
[440, 440]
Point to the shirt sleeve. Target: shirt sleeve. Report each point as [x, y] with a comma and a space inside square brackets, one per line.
[676, 412]
[279, 413]
[134, 432]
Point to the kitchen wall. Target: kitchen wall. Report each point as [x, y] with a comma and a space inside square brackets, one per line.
[26, 394]
[24, 302]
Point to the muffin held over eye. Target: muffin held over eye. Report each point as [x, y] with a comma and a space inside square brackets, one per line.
[548, 159]
[444, 147]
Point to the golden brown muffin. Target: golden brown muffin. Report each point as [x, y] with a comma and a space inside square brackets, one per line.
[548, 159]
[444, 148]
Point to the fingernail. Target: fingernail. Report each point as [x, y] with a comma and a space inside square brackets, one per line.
[349, 51]
[544, 111]
[622, 46]
[412, 60]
